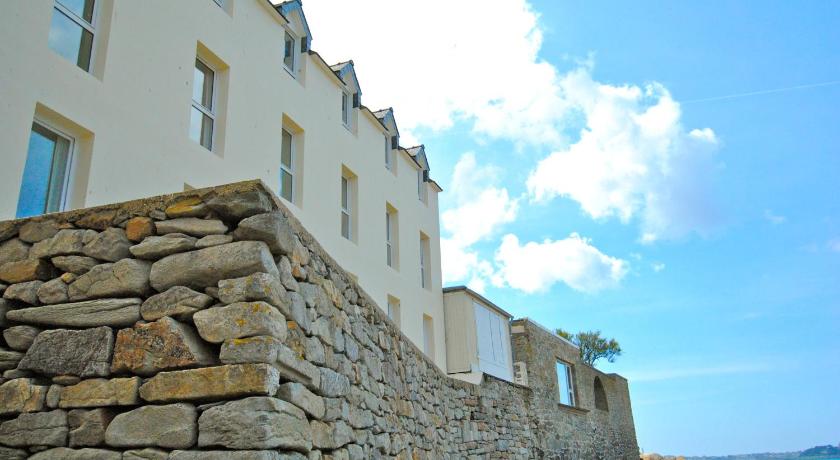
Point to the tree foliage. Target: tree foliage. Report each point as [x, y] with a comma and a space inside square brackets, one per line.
[592, 346]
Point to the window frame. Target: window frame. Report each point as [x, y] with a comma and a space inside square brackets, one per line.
[425, 259]
[288, 169]
[294, 50]
[346, 207]
[570, 389]
[346, 106]
[211, 112]
[394, 311]
[84, 24]
[388, 153]
[390, 253]
[68, 167]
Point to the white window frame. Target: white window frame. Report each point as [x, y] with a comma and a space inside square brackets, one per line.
[420, 190]
[89, 26]
[388, 151]
[293, 69]
[347, 206]
[291, 168]
[69, 167]
[346, 106]
[389, 238]
[424, 283]
[570, 389]
[213, 102]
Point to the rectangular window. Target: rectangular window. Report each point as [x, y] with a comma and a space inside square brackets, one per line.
[425, 273]
[46, 172]
[387, 153]
[565, 384]
[394, 309]
[391, 236]
[289, 53]
[347, 207]
[428, 336]
[345, 109]
[421, 186]
[72, 31]
[202, 115]
[287, 171]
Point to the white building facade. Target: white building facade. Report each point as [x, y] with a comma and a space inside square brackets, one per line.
[110, 100]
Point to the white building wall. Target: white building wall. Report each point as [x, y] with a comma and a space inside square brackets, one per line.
[131, 118]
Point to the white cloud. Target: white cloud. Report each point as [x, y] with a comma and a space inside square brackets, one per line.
[774, 218]
[658, 267]
[834, 245]
[480, 209]
[633, 159]
[535, 267]
[437, 61]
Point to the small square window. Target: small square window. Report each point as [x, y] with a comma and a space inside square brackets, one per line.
[46, 172]
[72, 31]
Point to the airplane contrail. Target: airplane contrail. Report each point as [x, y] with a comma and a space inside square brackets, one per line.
[766, 91]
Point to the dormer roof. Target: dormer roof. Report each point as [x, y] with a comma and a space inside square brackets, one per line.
[386, 117]
[292, 12]
[347, 74]
[418, 152]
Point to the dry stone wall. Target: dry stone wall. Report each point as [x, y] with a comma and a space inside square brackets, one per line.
[210, 324]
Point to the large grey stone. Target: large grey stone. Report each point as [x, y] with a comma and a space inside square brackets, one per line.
[292, 366]
[286, 276]
[7, 453]
[241, 205]
[298, 395]
[24, 292]
[273, 228]
[297, 311]
[78, 265]
[172, 426]
[35, 429]
[21, 395]
[209, 383]
[64, 453]
[156, 247]
[9, 359]
[255, 287]
[128, 277]
[5, 307]
[213, 240]
[20, 338]
[191, 226]
[331, 435]
[111, 245]
[238, 320]
[178, 301]
[64, 243]
[165, 344]
[101, 392]
[255, 423]
[87, 427]
[206, 267]
[85, 353]
[13, 250]
[90, 313]
[35, 231]
[187, 207]
[53, 291]
[333, 384]
[26, 270]
[259, 349]
[149, 453]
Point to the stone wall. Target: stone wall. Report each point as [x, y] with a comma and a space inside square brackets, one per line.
[588, 430]
[209, 324]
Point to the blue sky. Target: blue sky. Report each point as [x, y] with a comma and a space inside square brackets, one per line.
[598, 176]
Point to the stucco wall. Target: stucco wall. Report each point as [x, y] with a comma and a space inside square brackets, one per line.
[131, 119]
[296, 362]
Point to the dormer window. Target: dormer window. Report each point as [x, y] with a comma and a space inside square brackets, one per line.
[388, 161]
[290, 53]
[345, 109]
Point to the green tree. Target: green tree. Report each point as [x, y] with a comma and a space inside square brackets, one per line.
[592, 346]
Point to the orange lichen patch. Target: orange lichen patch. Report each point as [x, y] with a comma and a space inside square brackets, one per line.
[138, 228]
[241, 322]
[189, 207]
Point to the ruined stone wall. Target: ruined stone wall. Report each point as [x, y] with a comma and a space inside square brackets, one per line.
[209, 324]
[587, 430]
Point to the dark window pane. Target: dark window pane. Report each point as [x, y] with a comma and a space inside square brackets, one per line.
[81, 8]
[203, 85]
[286, 150]
[288, 53]
[70, 40]
[286, 185]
